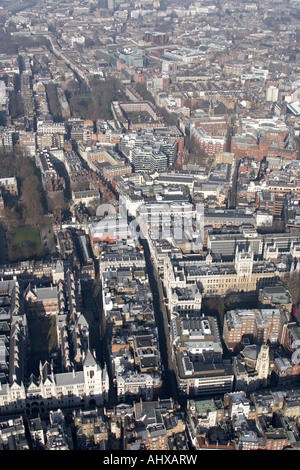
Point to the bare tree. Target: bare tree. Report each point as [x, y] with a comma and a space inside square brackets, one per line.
[292, 283]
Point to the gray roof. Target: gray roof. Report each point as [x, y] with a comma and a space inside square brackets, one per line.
[7, 286]
[156, 431]
[87, 193]
[251, 352]
[68, 378]
[43, 293]
[89, 359]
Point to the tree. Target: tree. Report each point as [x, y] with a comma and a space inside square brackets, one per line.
[57, 203]
[196, 155]
[30, 207]
[16, 105]
[12, 218]
[292, 283]
[96, 101]
[31, 197]
[215, 305]
[144, 93]
[170, 118]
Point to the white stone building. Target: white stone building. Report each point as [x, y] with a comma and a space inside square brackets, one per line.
[50, 391]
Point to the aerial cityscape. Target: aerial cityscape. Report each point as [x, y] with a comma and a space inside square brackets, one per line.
[150, 225]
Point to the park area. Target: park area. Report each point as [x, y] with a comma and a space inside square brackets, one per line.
[24, 243]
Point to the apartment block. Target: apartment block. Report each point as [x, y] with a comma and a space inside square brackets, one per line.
[261, 325]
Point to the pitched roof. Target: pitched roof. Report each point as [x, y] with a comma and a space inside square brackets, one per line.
[89, 360]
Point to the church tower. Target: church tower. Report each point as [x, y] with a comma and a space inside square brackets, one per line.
[57, 272]
[262, 364]
[243, 262]
[92, 377]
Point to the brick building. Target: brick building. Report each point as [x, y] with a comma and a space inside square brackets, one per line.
[258, 138]
[259, 325]
[42, 300]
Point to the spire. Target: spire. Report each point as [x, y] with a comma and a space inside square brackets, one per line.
[89, 360]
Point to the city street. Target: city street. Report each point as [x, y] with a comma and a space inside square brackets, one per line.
[169, 388]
